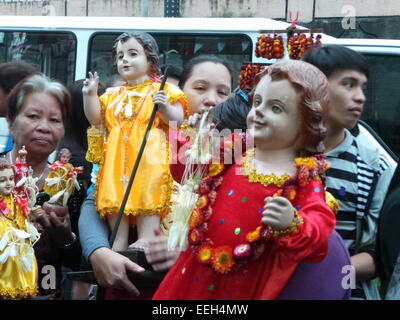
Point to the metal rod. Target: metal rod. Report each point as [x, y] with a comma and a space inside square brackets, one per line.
[135, 167]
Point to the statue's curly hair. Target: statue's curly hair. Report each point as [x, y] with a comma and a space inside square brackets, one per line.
[149, 45]
[314, 101]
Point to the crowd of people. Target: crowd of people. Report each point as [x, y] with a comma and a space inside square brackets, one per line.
[306, 211]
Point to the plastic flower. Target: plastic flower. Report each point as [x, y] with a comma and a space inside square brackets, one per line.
[310, 163]
[204, 253]
[202, 202]
[266, 233]
[242, 251]
[290, 193]
[195, 236]
[204, 186]
[3, 207]
[222, 259]
[215, 169]
[22, 204]
[255, 235]
[196, 218]
[303, 175]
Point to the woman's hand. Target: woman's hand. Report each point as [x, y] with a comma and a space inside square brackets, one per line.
[110, 269]
[91, 84]
[156, 251]
[55, 220]
[278, 213]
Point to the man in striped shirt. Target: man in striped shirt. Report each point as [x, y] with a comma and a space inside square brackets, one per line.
[359, 175]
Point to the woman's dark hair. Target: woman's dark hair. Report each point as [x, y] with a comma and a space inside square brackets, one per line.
[312, 85]
[332, 58]
[173, 71]
[13, 72]
[189, 66]
[78, 125]
[149, 45]
[38, 82]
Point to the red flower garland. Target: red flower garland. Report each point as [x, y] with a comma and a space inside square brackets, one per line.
[224, 259]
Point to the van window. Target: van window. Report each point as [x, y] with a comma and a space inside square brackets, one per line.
[174, 49]
[382, 108]
[53, 52]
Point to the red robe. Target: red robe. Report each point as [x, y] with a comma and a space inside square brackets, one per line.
[239, 204]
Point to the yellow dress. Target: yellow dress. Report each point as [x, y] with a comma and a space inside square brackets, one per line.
[18, 266]
[126, 111]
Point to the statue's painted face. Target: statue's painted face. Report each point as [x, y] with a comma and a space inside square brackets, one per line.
[274, 117]
[132, 63]
[6, 181]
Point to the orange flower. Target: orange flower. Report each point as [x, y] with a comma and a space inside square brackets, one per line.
[195, 236]
[204, 253]
[222, 259]
[215, 169]
[196, 218]
[290, 193]
[254, 235]
[202, 202]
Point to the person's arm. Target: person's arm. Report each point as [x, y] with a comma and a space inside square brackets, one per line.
[92, 230]
[56, 222]
[363, 261]
[110, 268]
[364, 265]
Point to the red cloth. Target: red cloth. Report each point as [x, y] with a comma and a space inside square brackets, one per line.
[239, 204]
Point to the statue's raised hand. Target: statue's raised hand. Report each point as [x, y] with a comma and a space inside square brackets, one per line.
[91, 84]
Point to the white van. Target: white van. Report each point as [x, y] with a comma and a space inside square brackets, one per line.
[66, 48]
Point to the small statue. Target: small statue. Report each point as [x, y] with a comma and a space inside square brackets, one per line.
[18, 266]
[62, 179]
[25, 183]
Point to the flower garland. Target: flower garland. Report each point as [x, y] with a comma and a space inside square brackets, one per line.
[224, 259]
[247, 75]
[269, 47]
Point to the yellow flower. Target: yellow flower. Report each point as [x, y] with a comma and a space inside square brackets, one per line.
[204, 254]
[215, 169]
[254, 235]
[310, 163]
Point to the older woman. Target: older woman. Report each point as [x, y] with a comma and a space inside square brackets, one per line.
[38, 110]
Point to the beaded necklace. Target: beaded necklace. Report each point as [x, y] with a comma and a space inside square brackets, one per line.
[125, 138]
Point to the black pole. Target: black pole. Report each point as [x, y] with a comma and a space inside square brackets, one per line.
[135, 167]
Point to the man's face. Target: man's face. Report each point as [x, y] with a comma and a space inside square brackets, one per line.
[346, 88]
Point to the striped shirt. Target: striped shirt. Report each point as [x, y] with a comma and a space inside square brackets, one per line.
[358, 178]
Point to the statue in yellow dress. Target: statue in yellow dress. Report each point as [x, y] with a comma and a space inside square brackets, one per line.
[124, 112]
[18, 266]
[62, 179]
